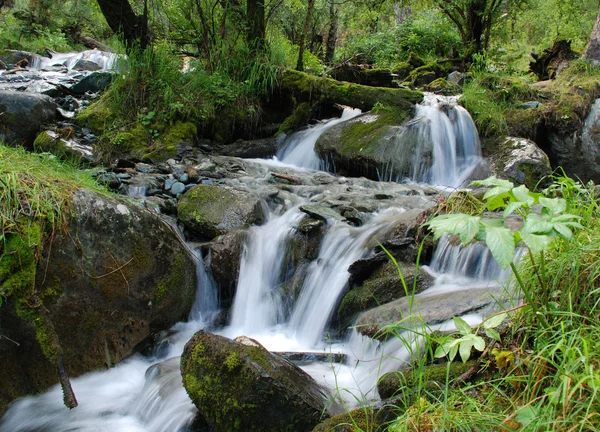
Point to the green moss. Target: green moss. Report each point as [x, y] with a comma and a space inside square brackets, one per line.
[97, 116]
[179, 132]
[160, 153]
[300, 117]
[233, 361]
[133, 140]
[19, 260]
[364, 136]
[358, 420]
[432, 378]
[443, 86]
[305, 87]
[172, 282]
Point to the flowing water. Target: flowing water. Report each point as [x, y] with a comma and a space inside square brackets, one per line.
[299, 148]
[105, 60]
[145, 394]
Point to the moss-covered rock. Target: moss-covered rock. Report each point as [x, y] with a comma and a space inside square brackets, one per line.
[97, 116]
[208, 211]
[383, 286]
[433, 378]
[307, 88]
[443, 87]
[357, 147]
[118, 275]
[51, 142]
[299, 118]
[245, 388]
[375, 77]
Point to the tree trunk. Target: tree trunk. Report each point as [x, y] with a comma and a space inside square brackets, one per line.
[332, 34]
[592, 52]
[300, 64]
[256, 25]
[401, 11]
[122, 20]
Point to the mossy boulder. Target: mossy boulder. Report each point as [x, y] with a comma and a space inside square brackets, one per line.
[240, 387]
[358, 147]
[299, 118]
[307, 88]
[208, 211]
[443, 87]
[383, 286]
[433, 377]
[51, 142]
[117, 275]
[375, 77]
[97, 116]
[23, 114]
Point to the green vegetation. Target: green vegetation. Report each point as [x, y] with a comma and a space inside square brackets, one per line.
[537, 370]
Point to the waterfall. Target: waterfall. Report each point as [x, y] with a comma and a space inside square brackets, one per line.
[206, 302]
[257, 303]
[299, 148]
[440, 146]
[105, 60]
[328, 275]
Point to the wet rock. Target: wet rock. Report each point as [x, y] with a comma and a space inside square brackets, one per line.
[86, 65]
[23, 115]
[424, 78]
[382, 287]
[521, 161]
[443, 87]
[457, 78]
[112, 310]
[321, 212]
[93, 83]
[208, 211]
[435, 308]
[50, 141]
[260, 148]
[263, 391]
[12, 58]
[177, 188]
[530, 105]
[226, 253]
[309, 225]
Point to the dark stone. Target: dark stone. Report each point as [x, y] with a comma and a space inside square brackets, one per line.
[109, 179]
[259, 148]
[226, 253]
[93, 83]
[23, 115]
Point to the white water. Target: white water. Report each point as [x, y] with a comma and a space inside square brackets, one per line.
[103, 59]
[299, 148]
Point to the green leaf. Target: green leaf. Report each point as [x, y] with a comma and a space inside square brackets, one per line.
[535, 224]
[453, 352]
[495, 320]
[511, 208]
[465, 349]
[554, 206]
[563, 230]
[465, 226]
[494, 181]
[462, 326]
[523, 195]
[527, 414]
[501, 242]
[478, 343]
[491, 333]
[496, 202]
[536, 243]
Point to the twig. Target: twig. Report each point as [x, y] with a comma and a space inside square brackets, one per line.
[111, 272]
[120, 269]
[7, 338]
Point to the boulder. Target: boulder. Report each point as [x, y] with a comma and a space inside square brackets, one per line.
[118, 275]
[521, 161]
[94, 82]
[225, 257]
[240, 387]
[435, 308]
[208, 211]
[11, 58]
[357, 147]
[23, 114]
[50, 141]
[360, 75]
[259, 148]
[383, 286]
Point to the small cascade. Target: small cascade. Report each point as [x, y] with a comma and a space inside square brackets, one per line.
[299, 148]
[257, 303]
[105, 60]
[328, 275]
[440, 146]
[137, 190]
[473, 261]
[206, 303]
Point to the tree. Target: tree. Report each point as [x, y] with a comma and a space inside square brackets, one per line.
[122, 20]
[300, 64]
[332, 33]
[256, 24]
[474, 20]
[592, 52]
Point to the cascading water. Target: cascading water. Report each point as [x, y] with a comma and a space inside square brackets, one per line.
[328, 275]
[257, 303]
[299, 148]
[440, 146]
[103, 59]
